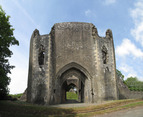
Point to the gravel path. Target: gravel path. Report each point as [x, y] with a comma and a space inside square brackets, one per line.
[132, 112]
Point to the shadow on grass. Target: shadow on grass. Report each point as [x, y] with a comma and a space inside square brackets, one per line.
[22, 109]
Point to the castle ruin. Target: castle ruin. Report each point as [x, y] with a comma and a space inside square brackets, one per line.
[72, 54]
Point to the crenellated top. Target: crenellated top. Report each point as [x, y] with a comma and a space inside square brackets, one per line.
[94, 31]
[76, 26]
[108, 34]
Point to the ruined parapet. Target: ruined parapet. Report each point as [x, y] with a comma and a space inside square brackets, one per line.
[125, 93]
[105, 65]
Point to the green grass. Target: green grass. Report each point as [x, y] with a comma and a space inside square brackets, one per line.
[23, 109]
[71, 96]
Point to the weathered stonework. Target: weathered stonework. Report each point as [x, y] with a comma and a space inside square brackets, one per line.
[73, 53]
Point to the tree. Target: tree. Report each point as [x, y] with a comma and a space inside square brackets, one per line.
[7, 39]
[120, 75]
[134, 84]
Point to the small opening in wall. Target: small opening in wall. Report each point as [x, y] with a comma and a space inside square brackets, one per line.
[41, 55]
[92, 93]
[54, 90]
[104, 55]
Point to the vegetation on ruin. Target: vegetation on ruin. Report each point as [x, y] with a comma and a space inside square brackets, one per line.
[7, 39]
[132, 82]
[23, 109]
[120, 75]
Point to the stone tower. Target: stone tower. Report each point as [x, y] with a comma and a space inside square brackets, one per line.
[72, 54]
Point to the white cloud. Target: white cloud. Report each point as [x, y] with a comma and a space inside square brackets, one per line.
[87, 12]
[18, 82]
[19, 74]
[109, 2]
[124, 68]
[127, 70]
[128, 48]
[131, 75]
[137, 15]
[90, 14]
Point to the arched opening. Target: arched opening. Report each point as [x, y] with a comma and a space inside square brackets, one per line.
[72, 86]
[76, 75]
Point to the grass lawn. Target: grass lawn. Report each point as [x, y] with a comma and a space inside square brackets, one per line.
[23, 109]
[71, 96]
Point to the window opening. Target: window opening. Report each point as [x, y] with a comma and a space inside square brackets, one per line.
[104, 55]
[41, 55]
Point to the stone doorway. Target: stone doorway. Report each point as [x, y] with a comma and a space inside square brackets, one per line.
[73, 80]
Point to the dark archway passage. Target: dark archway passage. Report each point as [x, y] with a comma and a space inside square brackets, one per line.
[70, 92]
[72, 80]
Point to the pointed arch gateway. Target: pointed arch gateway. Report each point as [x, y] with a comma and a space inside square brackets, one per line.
[77, 77]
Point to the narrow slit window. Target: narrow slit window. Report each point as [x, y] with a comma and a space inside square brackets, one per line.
[41, 55]
[104, 55]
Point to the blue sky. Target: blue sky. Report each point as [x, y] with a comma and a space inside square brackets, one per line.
[123, 17]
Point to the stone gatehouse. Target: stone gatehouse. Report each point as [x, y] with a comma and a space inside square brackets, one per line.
[72, 54]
